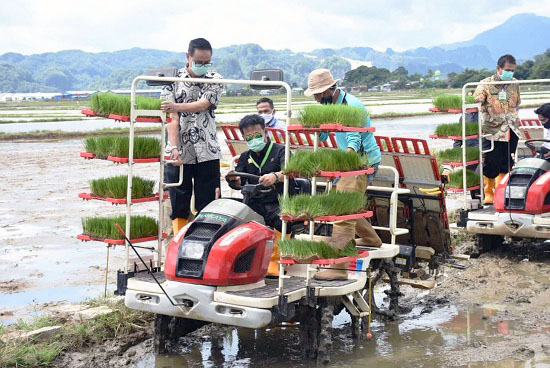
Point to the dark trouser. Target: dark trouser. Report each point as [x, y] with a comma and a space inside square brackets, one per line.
[499, 160]
[206, 178]
[270, 213]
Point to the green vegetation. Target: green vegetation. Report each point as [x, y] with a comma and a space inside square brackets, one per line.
[303, 249]
[117, 187]
[104, 227]
[60, 134]
[104, 104]
[102, 147]
[332, 203]
[315, 115]
[451, 102]
[455, 179]
[455, 129]
[309, 163]
[455, 154]
[73, 336]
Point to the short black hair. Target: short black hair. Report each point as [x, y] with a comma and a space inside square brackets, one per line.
[199, 43]
[506, 59]
[544, 110]
[251, 120]
[265, 99]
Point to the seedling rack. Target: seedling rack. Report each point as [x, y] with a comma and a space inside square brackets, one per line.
[123, 118]
[117, 201]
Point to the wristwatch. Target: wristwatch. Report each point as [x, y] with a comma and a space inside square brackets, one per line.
[276, 178]
[169, 149]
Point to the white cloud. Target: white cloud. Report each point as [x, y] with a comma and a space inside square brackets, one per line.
[35, 26]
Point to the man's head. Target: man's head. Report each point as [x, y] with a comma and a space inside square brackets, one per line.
[321, 85]
[506, 65]
[266, 109]
[199, 57]
[543, 113]
[253, 130]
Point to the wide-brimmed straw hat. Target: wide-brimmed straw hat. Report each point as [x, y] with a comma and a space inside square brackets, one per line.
[319, 81]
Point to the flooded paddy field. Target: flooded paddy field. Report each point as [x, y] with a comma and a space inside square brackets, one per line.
[494, 313]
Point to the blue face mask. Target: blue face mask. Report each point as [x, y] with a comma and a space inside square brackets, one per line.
[199, 70]
[256, 144]
[506, 75]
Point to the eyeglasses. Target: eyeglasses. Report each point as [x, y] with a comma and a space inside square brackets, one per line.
[208, 65]
[250, 137]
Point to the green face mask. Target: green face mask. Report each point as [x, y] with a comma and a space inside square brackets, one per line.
[200, 69]
[256, 144]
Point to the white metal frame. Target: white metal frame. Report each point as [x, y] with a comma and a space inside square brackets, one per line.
[136, 113]
[480, 134]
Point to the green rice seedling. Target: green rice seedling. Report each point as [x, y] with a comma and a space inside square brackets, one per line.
[455, 129]
[455, 154]
[119, 146]
[104, 227]
[308, 163]
[455, 179]
[314, 115]
[332, 203]
[308, 249]
[117, 187]
[104, 104]
[451, 102]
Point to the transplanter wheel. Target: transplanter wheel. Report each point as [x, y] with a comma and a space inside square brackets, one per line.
[325, 331]
[169, 329]
[386, 266]
[486, 243]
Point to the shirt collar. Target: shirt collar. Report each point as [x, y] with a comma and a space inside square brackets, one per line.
[340, 98]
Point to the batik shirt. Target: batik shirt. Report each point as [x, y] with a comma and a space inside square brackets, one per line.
[499, 116]
[198, 141]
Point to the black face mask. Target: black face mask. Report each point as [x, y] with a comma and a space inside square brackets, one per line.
[546, 124]
[327, 100]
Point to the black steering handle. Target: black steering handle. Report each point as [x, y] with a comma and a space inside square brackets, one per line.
[261, 189]
[529, 143]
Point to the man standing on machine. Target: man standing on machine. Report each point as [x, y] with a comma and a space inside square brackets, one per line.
[322, 86]
[266, 160]
[192, 139]
[499, 103]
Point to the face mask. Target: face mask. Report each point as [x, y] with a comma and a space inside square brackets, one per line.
[546, 123]
[199, 70]
[327, 100]
[267, 117]
[256, 144]
[506, 75]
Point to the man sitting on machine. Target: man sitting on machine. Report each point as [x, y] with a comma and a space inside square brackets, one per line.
[266, 160]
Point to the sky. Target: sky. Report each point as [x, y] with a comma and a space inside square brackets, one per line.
[37, 26]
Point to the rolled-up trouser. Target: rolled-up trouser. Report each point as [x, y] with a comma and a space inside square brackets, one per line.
[344, 231]
[499, 161]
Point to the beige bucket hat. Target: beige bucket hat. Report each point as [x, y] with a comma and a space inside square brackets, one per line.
[319, 81]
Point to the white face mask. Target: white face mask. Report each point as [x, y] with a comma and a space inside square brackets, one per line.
[267, 118]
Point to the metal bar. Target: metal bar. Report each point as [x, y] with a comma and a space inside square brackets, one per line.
[313, 187]
[161, 191]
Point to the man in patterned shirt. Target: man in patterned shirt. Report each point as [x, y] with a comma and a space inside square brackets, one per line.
[500, 119]
[192, 140]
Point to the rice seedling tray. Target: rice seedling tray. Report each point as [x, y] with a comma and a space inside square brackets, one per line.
[461, 190]
[121, 160]
[328, 128]
[453, 137]
[90, 196]
[85, 237]
[88, 113]
[335, 174]
[355, 216]
[124, 118]
[328, 261]
[451, 111]
[459, 164]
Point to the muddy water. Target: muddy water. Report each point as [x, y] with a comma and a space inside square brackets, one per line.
[423, 338]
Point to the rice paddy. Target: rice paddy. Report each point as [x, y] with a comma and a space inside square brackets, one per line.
[455, 179]
[119, 146]
[455, 129]
[309, 163]
[451, 102]
[332, 203]
[104, 227]
[314, 115]
[104, 104]
[303, 249]
[455, 154]
[117, 187]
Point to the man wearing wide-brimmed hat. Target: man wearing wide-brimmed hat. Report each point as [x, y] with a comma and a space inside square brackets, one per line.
[322, 86]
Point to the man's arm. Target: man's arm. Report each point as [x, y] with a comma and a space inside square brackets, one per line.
[354, 142]
[197, 106]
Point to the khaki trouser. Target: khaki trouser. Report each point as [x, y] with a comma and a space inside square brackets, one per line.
[344, 231]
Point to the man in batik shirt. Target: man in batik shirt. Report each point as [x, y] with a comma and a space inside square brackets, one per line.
[192, 139]
[500, 119]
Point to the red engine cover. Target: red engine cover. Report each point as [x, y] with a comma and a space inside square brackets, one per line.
[535, 196]
[220, 264]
